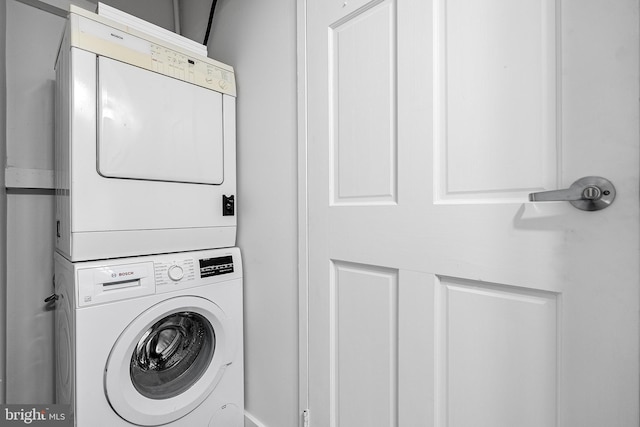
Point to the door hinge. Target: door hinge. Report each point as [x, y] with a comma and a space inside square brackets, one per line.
[305, 418]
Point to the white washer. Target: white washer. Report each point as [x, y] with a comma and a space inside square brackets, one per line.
[145, 142]
[151, 340]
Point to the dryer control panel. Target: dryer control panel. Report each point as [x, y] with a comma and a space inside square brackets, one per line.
[188, 68]
[108, 38]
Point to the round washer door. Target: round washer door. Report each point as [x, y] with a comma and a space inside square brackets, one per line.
[168, 360]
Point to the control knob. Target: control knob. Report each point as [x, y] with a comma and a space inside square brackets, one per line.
[176, 273]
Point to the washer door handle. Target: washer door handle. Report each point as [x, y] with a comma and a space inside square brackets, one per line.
[591, 193]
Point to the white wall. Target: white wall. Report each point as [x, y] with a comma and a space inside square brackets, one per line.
[259, 39]
[159, 12]
[32, 37]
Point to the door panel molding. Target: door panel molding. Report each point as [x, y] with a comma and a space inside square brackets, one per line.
[485, 332]
[495, 60]
[362, 63]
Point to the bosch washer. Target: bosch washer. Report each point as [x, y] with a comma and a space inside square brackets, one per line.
[151, 340]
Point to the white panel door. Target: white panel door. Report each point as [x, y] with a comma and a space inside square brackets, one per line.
[438, 295]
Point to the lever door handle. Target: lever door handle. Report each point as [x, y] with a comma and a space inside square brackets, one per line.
[591, 193]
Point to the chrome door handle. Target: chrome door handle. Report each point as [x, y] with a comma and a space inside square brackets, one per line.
[590, 193]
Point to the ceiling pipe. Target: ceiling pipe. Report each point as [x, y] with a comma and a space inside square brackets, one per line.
[176, 17]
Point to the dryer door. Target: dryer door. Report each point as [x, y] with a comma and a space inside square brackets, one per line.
[168, 360]
[155, 127]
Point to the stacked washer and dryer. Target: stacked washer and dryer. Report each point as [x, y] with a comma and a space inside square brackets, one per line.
[148, 283]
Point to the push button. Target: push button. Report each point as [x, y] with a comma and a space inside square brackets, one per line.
[228, 205]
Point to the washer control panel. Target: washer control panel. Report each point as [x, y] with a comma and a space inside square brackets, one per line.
[216, 266]
[171, 273]
[106, 281]
[181, 271]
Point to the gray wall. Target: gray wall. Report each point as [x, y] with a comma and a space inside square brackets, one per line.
[259, 39]
[32, 37]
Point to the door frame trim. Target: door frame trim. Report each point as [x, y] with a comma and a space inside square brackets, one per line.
[303, 214]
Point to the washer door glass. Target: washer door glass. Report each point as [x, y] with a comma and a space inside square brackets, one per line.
[168, 360]
[172, 355]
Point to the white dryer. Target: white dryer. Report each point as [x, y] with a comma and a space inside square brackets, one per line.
[152, 340]
[145, 157]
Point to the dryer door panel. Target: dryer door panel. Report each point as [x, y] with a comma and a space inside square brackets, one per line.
[154, 127]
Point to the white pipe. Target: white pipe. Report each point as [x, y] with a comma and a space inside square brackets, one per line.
[176, 16]
[3, 210]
